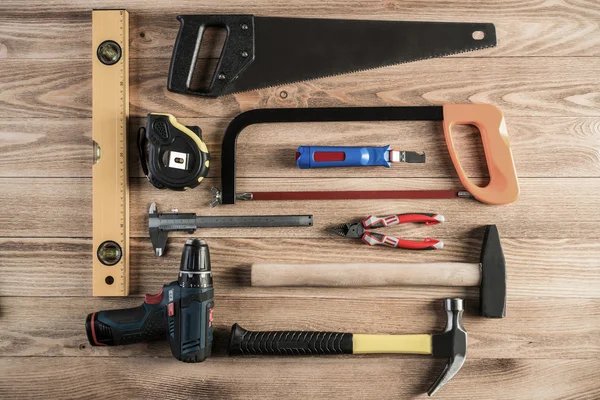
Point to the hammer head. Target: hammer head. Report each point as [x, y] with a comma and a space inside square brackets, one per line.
[450, 344]
[492, 294]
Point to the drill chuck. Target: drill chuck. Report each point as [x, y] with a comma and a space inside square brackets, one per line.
[194, 270]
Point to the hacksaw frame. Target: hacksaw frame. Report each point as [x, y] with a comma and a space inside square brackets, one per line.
[110, 113]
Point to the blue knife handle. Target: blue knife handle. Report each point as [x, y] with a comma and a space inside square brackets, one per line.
[341, 156]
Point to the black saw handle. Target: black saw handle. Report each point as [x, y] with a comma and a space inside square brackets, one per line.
[237, 53]
[288, 343]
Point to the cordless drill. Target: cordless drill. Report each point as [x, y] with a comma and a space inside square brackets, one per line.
[181, 312]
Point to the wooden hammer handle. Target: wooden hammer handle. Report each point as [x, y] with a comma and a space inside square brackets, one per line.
[366, 274]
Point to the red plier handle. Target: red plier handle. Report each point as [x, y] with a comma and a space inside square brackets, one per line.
[372, 222]
[373, 239]
[384, 240]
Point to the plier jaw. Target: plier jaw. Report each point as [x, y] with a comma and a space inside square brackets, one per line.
[360, 230]
[353, 230]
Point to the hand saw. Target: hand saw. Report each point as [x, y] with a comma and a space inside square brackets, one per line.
[260, 52]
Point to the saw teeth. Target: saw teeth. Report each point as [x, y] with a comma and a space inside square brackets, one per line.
[275, 85]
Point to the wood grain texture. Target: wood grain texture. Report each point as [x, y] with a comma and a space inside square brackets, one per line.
[543, 75]
[367, 274]
[356, 377]
[554, 30]
[52, 328]
[534, 267]
[59, 89]
[46, 147]
[61, 147]
[543, 202]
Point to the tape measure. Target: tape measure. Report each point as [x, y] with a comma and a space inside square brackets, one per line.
[177, 158]
[110, 189]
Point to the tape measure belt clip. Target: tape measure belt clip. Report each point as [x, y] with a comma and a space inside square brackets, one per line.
[172, 155]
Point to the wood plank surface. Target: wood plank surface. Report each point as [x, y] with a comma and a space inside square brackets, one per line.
[61, 147]
[59, 89]
[543, 75]
[30, 330]
[535, 267]
[543, 202]
[533, 30]
[356, 377]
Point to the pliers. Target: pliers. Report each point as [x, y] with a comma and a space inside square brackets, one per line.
[360, 230]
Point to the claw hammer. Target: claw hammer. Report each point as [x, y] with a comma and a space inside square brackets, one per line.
[451, 343]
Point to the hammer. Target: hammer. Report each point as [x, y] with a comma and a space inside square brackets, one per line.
[489, 274]
[451, 343]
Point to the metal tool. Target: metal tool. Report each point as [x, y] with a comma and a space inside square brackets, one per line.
[503, 187]
[177, 157]
[451, 343]
[340, 156]
[361, 230]
[110, 187]
[489, 275]
[260, 52]
[180, 313]
[160, 225]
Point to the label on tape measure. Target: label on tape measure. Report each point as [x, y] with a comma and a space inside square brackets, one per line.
[110, 189]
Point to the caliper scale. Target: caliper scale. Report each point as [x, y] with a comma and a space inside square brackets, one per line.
[110, 112]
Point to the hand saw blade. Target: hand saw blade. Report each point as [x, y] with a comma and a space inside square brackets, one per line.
[286, 50]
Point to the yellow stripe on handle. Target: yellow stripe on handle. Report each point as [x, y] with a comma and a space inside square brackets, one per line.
[201, 145]
[406, 344]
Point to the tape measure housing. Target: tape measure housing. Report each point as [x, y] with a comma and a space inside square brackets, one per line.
[177, 158]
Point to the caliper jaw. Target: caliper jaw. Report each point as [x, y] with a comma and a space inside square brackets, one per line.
[157, 236]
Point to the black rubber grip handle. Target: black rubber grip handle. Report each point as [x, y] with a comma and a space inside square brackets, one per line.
[127, 326]
[290, 343]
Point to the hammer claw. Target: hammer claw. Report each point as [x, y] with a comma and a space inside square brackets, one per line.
[450, 344]
[452, 367]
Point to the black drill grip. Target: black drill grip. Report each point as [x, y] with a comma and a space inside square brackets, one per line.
[291, 343]
[127, 326]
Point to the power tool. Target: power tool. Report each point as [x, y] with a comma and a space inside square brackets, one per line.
[177, 158]
[181, 312]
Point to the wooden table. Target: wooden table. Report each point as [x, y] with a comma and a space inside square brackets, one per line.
[544, 75]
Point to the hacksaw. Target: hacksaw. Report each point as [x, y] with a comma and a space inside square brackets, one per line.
[110, 112]
[503, 187]
[261, 52]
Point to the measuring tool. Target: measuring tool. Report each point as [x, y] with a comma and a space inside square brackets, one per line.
[110, 189]
[177, 157]
[161, 224]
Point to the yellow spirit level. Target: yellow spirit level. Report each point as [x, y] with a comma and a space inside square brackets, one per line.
[110, 189]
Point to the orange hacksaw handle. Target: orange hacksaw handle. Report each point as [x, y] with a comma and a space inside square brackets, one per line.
[503, 187]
